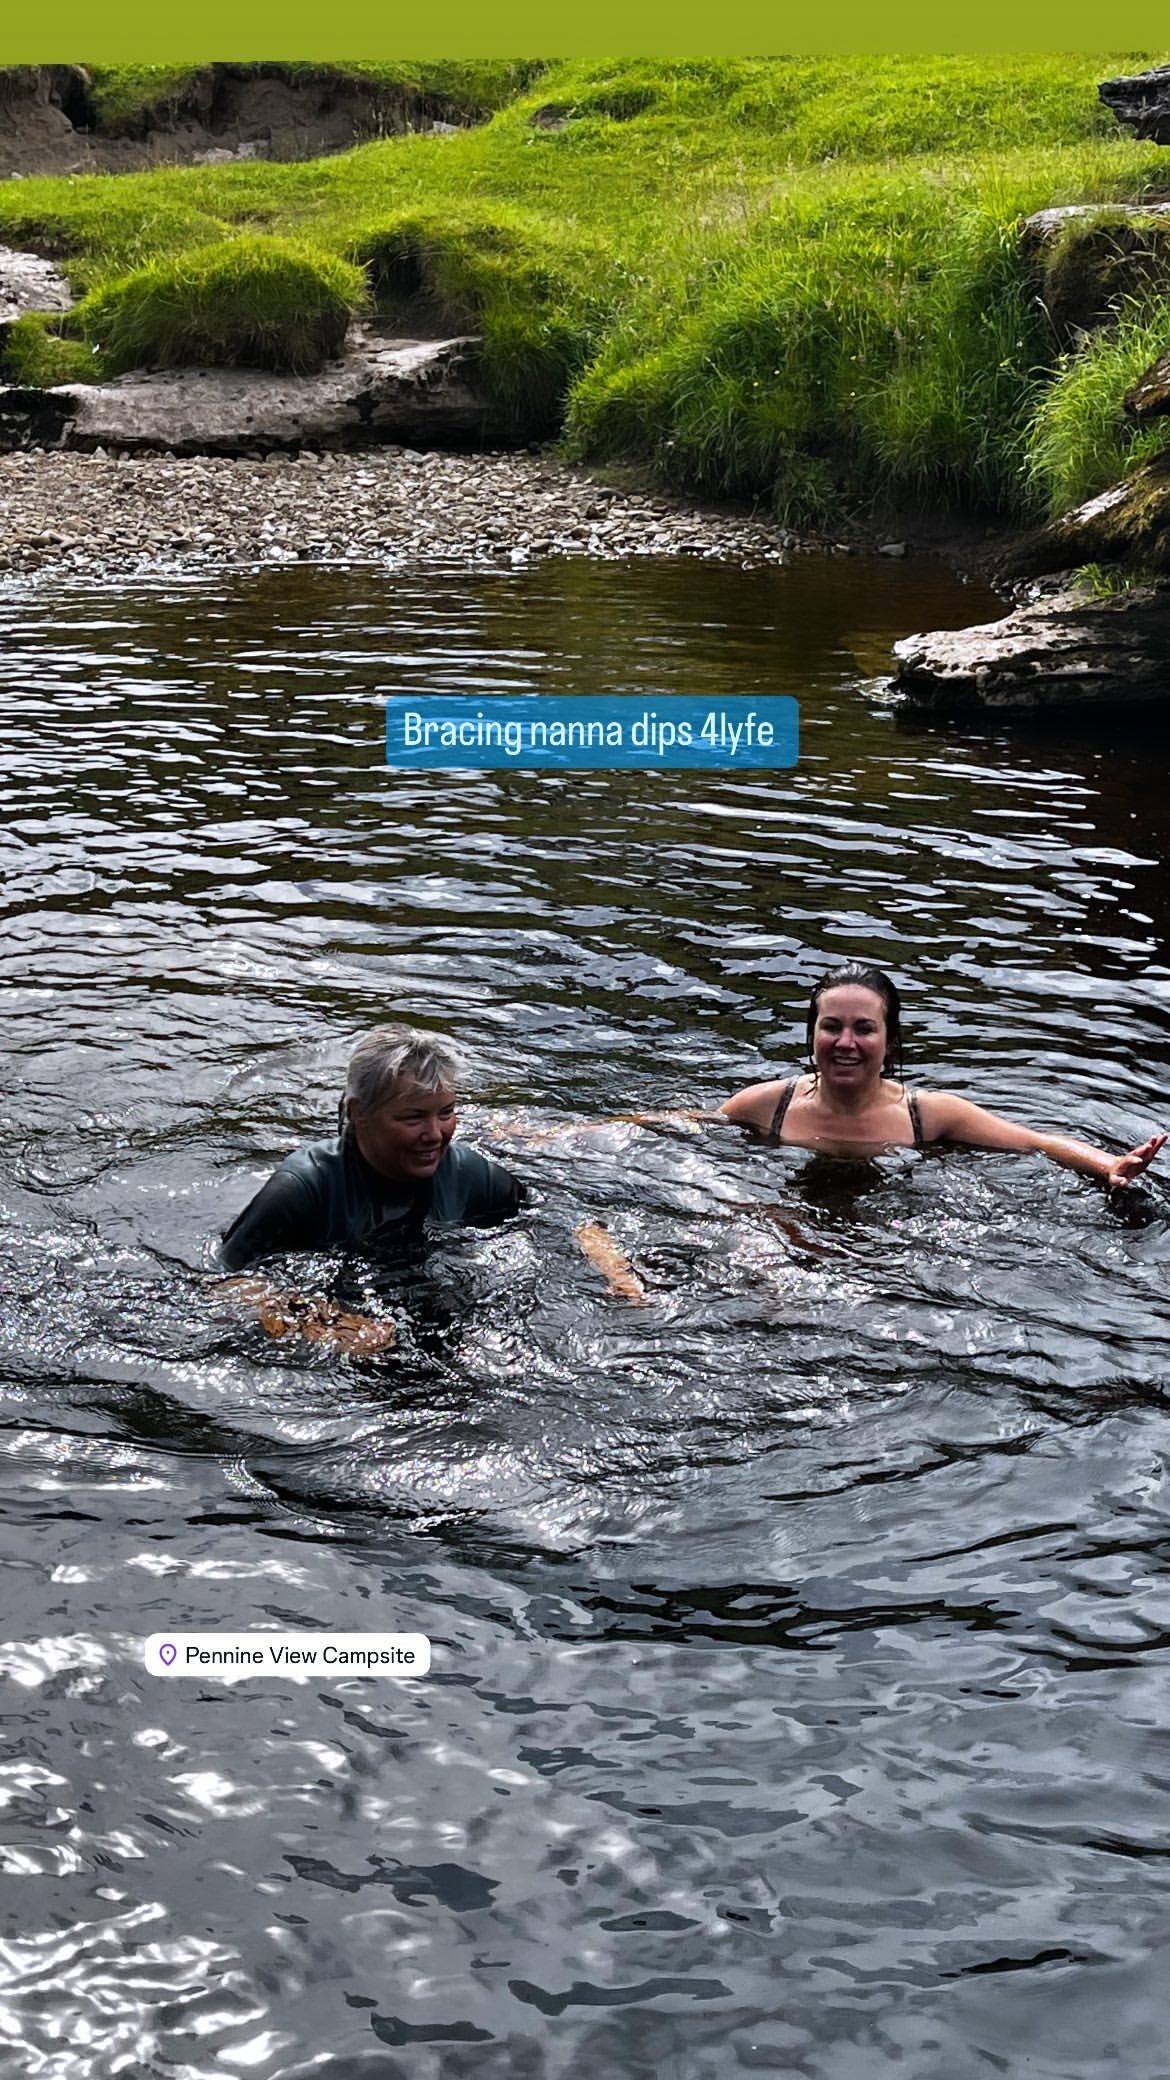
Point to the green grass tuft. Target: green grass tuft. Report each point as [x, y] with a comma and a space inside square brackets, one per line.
[36, 355]
[250, 302]
[1080, 440]
[1102, 581]
[525, 286]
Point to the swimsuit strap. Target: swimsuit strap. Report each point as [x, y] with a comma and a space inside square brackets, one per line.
[787, 1093]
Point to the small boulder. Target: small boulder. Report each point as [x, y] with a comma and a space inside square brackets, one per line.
[1065, 653]
[1141, 102]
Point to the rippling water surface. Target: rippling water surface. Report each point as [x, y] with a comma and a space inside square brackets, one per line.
[800, 1640]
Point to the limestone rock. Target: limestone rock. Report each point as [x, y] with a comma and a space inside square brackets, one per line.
[1061, 654]
[1092, 257]
[1044, 225]
[420, 392]
[1150, 396]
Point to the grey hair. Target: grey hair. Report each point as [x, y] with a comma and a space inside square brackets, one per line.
[387, 1053]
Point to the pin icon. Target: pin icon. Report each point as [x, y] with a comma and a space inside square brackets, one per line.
[166, 1654]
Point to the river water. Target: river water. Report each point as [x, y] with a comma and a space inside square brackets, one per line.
[800, 1639]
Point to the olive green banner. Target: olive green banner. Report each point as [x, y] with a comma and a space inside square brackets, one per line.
[139, 31]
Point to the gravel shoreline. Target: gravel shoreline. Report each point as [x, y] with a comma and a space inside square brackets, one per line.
[100, 515]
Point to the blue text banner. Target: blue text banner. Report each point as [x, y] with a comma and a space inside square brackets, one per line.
[620, 730]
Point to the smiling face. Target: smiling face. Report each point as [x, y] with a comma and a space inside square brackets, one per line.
[849, 1038]
[406, 1136]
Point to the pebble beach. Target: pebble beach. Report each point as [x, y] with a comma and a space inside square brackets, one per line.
[103, 515]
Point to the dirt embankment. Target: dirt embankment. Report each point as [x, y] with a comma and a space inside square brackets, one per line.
[51, 122]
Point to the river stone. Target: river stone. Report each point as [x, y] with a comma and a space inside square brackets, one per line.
[425, 392]
[1062, 653]
[1141, 102]
[128, 512]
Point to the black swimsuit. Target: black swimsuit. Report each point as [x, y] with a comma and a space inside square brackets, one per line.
[788, 1092]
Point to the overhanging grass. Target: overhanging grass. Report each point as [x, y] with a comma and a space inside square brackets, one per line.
[799, 280]
[525, 285]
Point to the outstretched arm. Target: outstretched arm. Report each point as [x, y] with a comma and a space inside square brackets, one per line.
[532, 1137]
[946, 1117]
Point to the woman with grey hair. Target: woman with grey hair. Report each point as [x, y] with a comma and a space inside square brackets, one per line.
[393, 1168]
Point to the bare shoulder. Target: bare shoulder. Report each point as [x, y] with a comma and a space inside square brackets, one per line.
[756, 1105]
[939, 1111]
[946, 1116]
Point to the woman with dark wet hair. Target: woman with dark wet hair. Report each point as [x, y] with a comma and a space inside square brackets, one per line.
[853, 1101]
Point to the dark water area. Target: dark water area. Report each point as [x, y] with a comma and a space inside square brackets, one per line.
[799, 1697]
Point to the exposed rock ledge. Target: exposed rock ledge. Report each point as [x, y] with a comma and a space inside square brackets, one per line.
[423, 393]
[1064, 653]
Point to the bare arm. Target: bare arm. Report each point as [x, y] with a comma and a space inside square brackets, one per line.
[755, 1106]
[946, 1117]
[615, 1267]
[518, 1130]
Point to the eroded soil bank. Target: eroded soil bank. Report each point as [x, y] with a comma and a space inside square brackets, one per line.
[52, 122]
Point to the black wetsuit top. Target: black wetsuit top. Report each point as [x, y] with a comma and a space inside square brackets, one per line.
[326, 1196]
[789, 1092]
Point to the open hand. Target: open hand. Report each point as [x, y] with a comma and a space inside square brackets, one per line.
[360, 1335]
[1129, 1166]
[318, 1321]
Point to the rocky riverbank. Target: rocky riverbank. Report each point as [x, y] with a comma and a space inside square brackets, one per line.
[101, 516]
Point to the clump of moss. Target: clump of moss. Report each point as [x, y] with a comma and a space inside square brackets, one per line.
[249, 302]
[37, 355]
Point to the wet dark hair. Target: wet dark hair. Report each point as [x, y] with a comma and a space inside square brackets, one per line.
[856, 975]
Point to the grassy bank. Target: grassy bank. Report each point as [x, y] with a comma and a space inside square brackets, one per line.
[800, 281]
